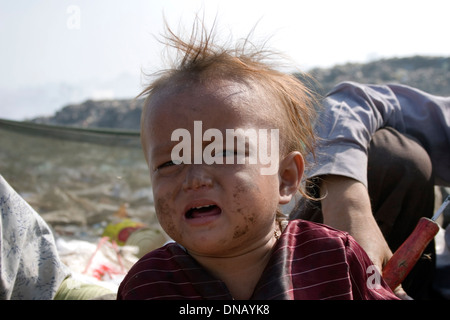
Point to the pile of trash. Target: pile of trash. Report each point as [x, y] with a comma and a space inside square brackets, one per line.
[76, 182]
[105, 259]
[97, 198]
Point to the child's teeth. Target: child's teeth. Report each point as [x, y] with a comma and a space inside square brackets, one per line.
[209, 205]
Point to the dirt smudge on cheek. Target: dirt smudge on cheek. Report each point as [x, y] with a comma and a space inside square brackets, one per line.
[251, 219]
[165, 212]
[239, 190]
[239, 193]
[241, 207]
[239, 231]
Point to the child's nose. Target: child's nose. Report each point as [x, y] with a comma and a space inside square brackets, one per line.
[197, 178]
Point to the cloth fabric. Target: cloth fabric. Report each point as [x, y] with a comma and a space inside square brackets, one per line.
[73, 289]
[401, 188]
[352, 114]
[30, 268]
[310, 261]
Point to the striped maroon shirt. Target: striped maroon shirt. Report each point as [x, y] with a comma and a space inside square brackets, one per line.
[310, 261]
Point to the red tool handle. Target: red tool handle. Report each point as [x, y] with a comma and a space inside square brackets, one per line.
[406, 256]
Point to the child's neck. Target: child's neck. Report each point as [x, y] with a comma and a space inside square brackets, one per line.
[241, 272]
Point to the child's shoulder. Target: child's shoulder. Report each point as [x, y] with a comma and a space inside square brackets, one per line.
[307, 230]
[166, 254]
[159, 260]
[316, 226]
[152, 269]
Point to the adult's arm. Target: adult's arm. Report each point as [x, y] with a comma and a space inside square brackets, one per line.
[346, 206]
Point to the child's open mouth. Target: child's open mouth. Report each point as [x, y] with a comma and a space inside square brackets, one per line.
[203, 212]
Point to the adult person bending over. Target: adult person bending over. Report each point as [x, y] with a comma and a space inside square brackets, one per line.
[382, 150]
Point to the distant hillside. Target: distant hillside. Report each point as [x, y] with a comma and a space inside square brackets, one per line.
[118, 114]
[431, 74]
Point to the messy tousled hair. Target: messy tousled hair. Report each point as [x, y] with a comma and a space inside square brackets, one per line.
[200, 59]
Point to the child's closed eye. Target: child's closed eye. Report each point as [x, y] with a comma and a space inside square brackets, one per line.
[168, 164]
[226, 153]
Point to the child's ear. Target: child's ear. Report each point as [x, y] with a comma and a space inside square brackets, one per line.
[290, 175]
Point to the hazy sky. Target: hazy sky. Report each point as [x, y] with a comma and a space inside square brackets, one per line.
[72, 44]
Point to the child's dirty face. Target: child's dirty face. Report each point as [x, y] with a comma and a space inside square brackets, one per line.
[220, 206]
